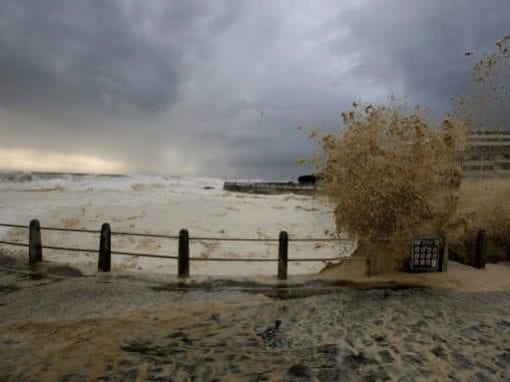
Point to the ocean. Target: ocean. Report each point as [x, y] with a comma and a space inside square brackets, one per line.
[163, 205]
[41, 181]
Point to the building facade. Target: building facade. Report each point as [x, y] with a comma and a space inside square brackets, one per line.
[488, 154]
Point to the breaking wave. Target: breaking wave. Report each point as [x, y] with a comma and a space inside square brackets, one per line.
[40, 181]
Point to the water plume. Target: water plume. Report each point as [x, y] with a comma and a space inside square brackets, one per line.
[391, 172]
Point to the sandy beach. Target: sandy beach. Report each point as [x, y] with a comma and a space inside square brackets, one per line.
[61, 320]
[58, 324]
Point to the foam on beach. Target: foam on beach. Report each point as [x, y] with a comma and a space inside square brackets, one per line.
[37, 181]
[164, 205]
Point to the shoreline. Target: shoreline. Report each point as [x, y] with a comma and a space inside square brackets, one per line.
[494, 277]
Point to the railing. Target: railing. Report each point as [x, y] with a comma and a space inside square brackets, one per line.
[105, 252]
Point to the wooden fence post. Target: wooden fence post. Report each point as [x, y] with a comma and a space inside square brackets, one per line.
[34, 242]
[283, 250]
[183, 262]
[481, 246]
[105, 249]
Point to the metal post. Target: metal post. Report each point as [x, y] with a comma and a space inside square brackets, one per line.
[481, 246]
[183, 262]
[34, 242]
[373, 263]
[283, 248]
[368, 266]
[443, 260]
[105, 249]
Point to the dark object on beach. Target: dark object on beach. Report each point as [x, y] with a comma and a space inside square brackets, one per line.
[307, 179]
[208, 188]
[301, 372]
[269, 334]
[481, 249]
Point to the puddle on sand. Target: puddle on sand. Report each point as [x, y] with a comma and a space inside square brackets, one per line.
[276, 291]
[283, 291]
[16, 275]
[10, 288]
[37, 271]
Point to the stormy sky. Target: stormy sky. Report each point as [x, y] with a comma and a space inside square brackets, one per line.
[218, 88]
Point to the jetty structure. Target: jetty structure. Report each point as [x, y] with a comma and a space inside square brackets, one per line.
[487, 156]
[270, 188]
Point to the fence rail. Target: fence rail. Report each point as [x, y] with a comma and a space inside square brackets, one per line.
[104, 260]
[13, 243]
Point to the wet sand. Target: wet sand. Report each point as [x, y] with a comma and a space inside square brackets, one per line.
[57, 324]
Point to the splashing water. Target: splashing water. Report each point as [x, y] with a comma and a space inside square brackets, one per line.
[485, 100]
[393, 173]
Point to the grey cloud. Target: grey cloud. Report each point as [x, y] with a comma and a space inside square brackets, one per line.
[422, 43]
[222, 85]
[85, 55]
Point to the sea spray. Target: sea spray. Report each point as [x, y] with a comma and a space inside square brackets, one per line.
[484, 102]
[392, 173]
[484, 202]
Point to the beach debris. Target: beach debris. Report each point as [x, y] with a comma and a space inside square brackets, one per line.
[269, 334]
[299, 372]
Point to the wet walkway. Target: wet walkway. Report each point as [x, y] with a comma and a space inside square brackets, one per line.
[57, 324]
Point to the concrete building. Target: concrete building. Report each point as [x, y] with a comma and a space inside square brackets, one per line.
[488, 154]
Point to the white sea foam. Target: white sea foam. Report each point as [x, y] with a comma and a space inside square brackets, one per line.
[28, 181]
[164, 205]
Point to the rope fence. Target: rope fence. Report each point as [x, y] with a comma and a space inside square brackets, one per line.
[155, 235]
[35, 247]
[198, 238]
[13, 243]
[68, 249]
[70, 230]
[13, 225]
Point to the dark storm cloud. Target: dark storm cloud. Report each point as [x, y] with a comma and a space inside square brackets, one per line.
[219, 87]
[80, 54]
[422, 43]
